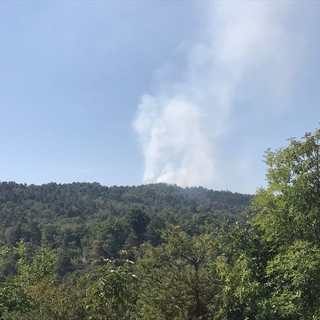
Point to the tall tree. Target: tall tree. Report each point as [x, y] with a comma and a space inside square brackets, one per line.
[178, 277]
[288, 222]
[289, 208]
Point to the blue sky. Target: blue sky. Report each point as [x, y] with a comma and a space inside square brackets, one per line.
[130, 92]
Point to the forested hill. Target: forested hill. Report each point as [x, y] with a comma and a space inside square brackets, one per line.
[83, 251]
[81, 199]
[77, 225]
[99, 221]
[84, 201]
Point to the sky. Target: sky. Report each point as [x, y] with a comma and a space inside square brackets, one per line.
[130, 92]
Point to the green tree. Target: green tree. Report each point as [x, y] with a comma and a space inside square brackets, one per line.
[33, 293]
[291, 202]
[293, 277]
[111, 291]
[111, 236]
[288, 225]
[240, 291]
[138, 222]
[178, 278]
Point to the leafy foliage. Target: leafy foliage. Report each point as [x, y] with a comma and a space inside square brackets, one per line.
[83, 251]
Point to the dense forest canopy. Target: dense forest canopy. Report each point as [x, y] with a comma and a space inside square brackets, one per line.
[43, 212]
[85, 251]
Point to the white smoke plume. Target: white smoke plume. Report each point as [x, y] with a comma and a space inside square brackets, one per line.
[180, 126]
[175, 145]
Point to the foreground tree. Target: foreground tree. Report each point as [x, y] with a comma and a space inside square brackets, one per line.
[293, 277]
[288, 225]
[111, 290]
[289, 208]
[178, 277]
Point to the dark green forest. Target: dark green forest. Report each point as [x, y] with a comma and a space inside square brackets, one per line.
[85, 251]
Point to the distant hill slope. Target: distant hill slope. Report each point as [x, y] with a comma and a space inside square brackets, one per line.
[89, 199]
[87, 219]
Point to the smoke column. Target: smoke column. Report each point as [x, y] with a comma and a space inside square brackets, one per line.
[180, 126]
